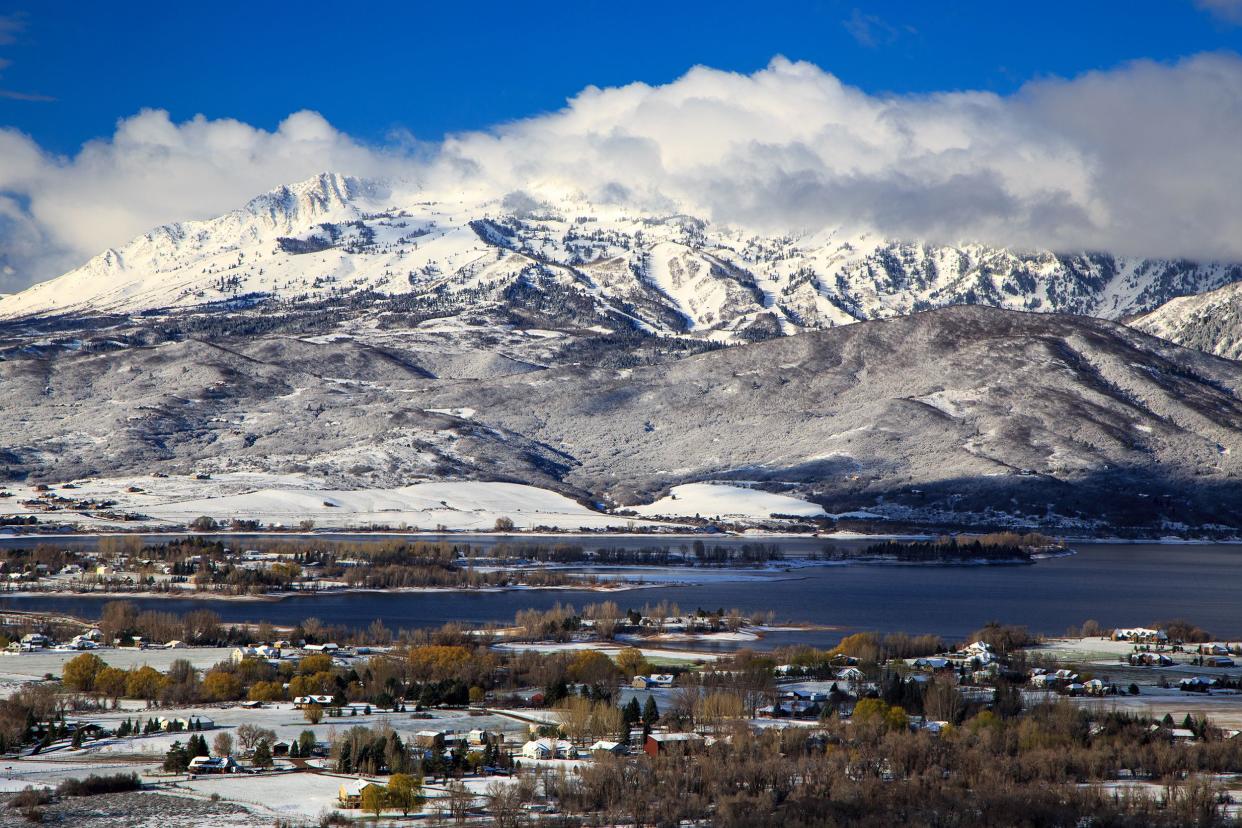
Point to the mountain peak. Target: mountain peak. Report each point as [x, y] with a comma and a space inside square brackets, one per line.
[333, 236]
[316, 196]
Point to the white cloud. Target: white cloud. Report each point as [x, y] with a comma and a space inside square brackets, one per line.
[59, 211]
[1140, 160]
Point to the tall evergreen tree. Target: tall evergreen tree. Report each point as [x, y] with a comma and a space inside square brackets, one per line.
[176, 760]
[263, 754]
[651, 713]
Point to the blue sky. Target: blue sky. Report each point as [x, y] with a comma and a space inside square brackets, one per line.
[371, 68]
[1051, 125]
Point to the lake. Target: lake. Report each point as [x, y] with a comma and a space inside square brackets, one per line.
[1115, 584]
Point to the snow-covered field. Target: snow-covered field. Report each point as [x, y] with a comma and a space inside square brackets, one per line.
[726, 501]
[611, 650]
[22, 667]
[291, 795]
[288, 500]
[458, 505]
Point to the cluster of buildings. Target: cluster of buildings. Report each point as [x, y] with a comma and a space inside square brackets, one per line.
[652, 743]
[34, 642]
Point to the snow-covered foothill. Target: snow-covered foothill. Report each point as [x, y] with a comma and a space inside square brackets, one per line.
[726, 501]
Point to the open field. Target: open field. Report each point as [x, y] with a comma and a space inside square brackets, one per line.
[287, 500]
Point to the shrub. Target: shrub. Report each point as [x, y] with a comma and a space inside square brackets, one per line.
[31, 797]
[94, 785]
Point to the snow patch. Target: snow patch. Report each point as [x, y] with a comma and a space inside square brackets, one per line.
[720, 500]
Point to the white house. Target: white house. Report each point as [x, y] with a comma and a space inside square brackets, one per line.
[240, 654]
[548, 749]
[320, 648]
[349, 795]
[604, 746]
[1095, 687]
[850, 674]
[214, 764]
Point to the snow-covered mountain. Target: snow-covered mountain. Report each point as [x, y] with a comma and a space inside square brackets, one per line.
[1209, 321]
[333, 238]
[965, 416]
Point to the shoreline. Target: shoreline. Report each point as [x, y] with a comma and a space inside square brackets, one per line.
[759, 572]
[453, 535]
[272, 597]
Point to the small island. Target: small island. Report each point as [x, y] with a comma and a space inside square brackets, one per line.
[994, 548]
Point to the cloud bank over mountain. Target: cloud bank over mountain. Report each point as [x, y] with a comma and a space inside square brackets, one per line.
[1140, 160]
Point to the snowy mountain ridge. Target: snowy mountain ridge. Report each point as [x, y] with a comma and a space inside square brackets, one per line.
[1209, 321]
[334, 237]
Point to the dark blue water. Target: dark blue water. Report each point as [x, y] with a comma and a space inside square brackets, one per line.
[1117, 585]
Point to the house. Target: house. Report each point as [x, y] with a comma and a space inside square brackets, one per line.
[1218, 661]
[653, 680]
[933, 663]
[320, 648]
[548, 749]
[214, 764]
[1150, 660]
[1043, 680]
[81, 642]
[1095, 687]
[240, 654]
[1060, 678]
[1140, 635]
[34, 640]
[430, 739]
[1213, 649]
[794, 708]
[658, 743]
[349, 795]
[306, 701]
[479, 737]
[179, 724]
[850, 674]
[604, 748]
